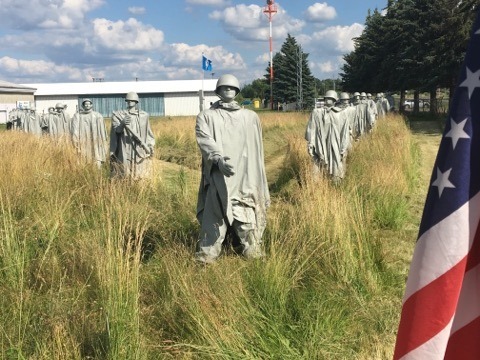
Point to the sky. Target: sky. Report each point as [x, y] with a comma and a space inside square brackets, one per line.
[50, 41]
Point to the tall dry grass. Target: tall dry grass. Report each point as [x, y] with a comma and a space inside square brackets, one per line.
[91, 268]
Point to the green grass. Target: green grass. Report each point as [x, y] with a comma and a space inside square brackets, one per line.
[93, 268]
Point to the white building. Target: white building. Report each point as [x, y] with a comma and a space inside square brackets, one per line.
[158, 98]
[12, 96]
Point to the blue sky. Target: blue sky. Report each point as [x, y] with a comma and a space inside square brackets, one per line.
[119, 40]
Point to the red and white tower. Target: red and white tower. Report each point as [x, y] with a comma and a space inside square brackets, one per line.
[270, 10]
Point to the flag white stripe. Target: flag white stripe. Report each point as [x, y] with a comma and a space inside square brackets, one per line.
[431, 348]
[443, 246]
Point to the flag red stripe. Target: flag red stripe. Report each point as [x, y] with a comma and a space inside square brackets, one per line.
[464, 343]
[425, 313]
[474, 253]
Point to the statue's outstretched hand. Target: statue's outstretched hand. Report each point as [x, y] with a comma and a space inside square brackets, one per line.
[224, 167]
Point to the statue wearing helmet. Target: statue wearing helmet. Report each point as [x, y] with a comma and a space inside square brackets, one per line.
[132, 96]
[228, 81]
[383, 106]
[49, 123]
[362, 119]
[331, 97]
[63, 121]
[344, 100]
[233, 191]
[30, 121]
[89, 135]
[132, 141]
[328, 138]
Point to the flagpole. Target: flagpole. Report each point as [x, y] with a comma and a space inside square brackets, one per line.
[202, 99]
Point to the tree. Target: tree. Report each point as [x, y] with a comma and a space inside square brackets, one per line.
[293, 80]
[361, 68]
[418, 45]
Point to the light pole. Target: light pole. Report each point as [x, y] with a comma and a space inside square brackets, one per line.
[270, 10]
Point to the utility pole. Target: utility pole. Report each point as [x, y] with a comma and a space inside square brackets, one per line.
[270, 10]
[300, 78]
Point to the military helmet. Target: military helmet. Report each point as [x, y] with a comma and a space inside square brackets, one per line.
[131, 96]
[85, 100]
[59, 105]
[356, 93]
[228, 80]
[332, 94]
[363, 94]
[344, 96]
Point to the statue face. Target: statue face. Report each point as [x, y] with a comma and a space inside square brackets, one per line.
[87, 105]
[131, 104]
[329, 102]
[227, 93]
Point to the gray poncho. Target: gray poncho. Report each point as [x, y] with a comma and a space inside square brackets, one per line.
[231, 131]
[131, 155]
[328, 138]
[30, 123]
[64, 124]
[49, 124]
[89, 136]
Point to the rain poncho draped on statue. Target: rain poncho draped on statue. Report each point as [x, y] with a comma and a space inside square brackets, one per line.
[89, 136]
[30, 123]
[131, 147]
[328, 138]
[231, 132]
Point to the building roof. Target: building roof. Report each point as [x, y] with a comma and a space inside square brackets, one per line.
[8, 87]
[141, 87]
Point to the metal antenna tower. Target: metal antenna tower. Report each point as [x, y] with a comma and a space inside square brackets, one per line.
[270, 10]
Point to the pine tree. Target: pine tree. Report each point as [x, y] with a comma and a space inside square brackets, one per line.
[293, 81]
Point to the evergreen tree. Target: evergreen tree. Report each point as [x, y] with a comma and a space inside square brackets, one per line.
[293, 81]
[361, 68]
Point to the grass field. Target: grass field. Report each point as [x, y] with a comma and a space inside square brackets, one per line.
[97, 269]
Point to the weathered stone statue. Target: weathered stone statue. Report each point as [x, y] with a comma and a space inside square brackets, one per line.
[131, 141]
[14, 119]
[63, 121]
[328, 137]
[344, 100]
[49, 123]
[30, 121]
[383, 106]
[233, 191]
[89, 135]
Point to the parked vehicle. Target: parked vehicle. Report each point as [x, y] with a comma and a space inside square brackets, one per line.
[423, 104]
[320, 102]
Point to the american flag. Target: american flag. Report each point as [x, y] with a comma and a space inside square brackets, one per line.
[441, 307]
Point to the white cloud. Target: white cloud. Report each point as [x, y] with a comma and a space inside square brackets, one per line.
[209, 2]
[263, 59]
[124, 36]
[320, 12]
[247, 23]
[337, 39]
[46, 14]
[37, 69]
[136, 10]
[181, 54]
